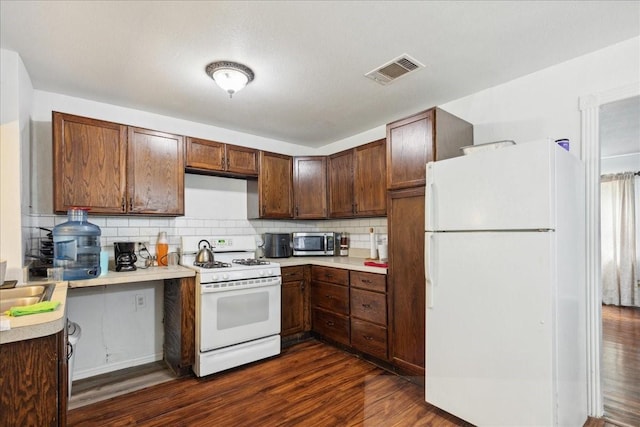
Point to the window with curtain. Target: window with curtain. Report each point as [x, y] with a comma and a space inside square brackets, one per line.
[618, 196]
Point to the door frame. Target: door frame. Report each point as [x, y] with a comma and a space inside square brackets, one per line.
[590, 130]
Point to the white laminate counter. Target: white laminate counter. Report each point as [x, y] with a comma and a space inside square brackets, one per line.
[139, 275]
[41, 324]
[348, 263]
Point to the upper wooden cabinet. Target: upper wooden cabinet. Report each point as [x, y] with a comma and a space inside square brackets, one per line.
[89, 164]
[412, 142]
[211, 156]
[271, 196]
[155, 173]
[310, 187]
[115, 169]
[357, 181]
[370, 169]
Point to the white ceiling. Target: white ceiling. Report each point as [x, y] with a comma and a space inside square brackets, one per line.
[309, 57]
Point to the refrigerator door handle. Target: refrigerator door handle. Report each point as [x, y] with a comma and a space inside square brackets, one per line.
[429, 211]
[428, 269]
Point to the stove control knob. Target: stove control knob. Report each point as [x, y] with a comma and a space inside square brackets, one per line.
[225, 276]
[215, 277]
[269, 272]
[261, 272]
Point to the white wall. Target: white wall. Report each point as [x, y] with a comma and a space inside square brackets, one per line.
[617, 164]
[545, 104]
[16, 93]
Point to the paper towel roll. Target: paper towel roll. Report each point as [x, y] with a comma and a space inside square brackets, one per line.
[373, 251]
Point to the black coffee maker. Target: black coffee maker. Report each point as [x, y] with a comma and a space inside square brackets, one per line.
[125, 255]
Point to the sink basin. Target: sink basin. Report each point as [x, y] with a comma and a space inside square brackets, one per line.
[25, 295]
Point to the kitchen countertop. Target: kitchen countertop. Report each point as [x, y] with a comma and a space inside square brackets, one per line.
[348, 263]
[43, 324]
[139, 275]
[38, 325]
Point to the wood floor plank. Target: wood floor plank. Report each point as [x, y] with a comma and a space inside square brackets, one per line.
[621, 364]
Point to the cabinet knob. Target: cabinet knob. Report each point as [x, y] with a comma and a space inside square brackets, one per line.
[366, 281]
[124, 204]
[330, 323]
[366, 305]
[130, 203]
[329, 296]
[368, 338]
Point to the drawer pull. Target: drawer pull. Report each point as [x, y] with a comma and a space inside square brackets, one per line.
[328, 276]
[330, 323]
[329, 296]
[366, 305]
[367, 337]
[366, 281]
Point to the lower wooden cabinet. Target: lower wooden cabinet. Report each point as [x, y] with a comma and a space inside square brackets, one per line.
[350, 308]
[33, 382]
[331, 325]
[295, 301]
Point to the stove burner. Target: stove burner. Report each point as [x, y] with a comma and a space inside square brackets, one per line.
[250, 261]
[212, 264]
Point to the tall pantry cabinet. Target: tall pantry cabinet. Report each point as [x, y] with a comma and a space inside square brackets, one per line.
[411, 143]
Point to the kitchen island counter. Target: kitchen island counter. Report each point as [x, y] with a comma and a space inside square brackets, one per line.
[348, 263]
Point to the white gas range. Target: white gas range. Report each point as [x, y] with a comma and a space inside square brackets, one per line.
[237, 303]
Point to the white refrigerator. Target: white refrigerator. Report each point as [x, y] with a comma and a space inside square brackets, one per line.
[506, 297]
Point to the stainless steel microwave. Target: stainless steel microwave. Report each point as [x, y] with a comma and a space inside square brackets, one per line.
[315, 244]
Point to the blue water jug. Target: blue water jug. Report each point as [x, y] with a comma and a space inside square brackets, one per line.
[76, 246]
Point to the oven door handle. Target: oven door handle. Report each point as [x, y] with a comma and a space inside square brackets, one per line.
[207, 288]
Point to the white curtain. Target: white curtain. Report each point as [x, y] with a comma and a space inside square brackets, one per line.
[618, 236]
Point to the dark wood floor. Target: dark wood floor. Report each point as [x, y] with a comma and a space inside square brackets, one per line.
[621, 364]
[309, 384]
[313, 384]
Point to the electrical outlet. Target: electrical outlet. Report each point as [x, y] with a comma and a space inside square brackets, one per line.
[140, 301]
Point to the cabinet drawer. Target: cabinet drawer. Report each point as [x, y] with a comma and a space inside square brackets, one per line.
[370, 281]
[292, 273]
[331, 325]
[330, 297]
[331, 275]
[370, 306]
[369, 338]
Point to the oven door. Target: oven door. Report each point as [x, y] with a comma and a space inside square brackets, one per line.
[236, 316]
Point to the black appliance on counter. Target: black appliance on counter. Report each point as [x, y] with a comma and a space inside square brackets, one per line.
[125, 255]
[277, 245]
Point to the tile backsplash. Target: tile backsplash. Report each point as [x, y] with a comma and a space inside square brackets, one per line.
[146, 229]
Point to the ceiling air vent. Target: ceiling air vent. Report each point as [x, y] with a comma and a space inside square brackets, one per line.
[394, 69]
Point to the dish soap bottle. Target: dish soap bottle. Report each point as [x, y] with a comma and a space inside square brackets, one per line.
[162, 248]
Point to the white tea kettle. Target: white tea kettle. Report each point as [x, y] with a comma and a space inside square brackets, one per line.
[204, 255]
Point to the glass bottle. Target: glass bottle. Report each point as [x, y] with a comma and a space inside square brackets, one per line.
[344, 245]
[162, 248]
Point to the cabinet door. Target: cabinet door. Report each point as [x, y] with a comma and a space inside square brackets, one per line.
[406, 280]
[205, 155]
[241, 160]
[275, 186]
[89, 164]
[292, 307]
[310, 187]
[409, 147]
[369, 185]
[155, 173]
[29, 392]
[340, 177]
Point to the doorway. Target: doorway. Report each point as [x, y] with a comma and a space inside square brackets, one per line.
[620, 154]
[590, 132]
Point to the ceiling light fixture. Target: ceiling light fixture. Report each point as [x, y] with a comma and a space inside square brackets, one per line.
[230, 76]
